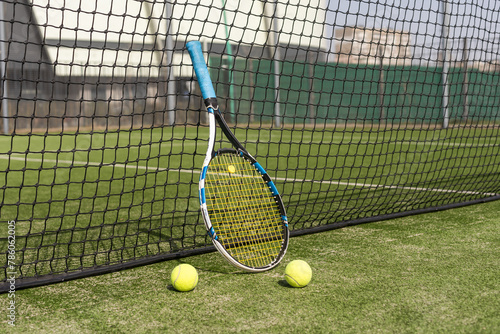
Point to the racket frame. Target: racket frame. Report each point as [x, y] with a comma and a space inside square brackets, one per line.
[214, 115]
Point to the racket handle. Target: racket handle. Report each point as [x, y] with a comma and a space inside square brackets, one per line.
[201, 70]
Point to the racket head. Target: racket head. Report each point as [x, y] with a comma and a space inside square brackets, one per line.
[243, 211]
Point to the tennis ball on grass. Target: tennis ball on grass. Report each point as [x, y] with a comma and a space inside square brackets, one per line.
[298, 273]
[184, 277]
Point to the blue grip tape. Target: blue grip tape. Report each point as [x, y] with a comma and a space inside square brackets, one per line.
[201, 70]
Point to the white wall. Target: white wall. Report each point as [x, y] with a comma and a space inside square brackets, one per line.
[299, 22]
[125, 22]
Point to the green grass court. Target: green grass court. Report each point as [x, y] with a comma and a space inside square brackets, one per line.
[430, 273]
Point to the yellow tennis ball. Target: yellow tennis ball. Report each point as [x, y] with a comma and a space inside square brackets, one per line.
[184, 277]
[298, 273]
[231, 169]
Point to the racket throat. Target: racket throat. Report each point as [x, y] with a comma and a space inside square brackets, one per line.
[211, 103]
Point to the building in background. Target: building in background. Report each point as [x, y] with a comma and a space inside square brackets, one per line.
[360, 45]
[127, 37]
[70, 62]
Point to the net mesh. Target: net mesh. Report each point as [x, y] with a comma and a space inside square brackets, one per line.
[357, 110]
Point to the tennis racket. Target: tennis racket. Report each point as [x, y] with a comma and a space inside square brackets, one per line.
[241, 207]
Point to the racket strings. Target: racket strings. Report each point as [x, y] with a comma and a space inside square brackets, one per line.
[243, 212]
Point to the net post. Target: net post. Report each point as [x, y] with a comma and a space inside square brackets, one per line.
[274, 54]
[3, 71]
[169, 45]
[444, 36]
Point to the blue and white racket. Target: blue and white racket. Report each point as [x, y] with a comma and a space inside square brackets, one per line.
[241, 207]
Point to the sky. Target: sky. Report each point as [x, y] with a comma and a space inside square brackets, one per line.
[476, 20]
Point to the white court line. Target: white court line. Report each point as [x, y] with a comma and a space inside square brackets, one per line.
[406, 142]
[351, 184]
[90, 163]
[436, 143]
